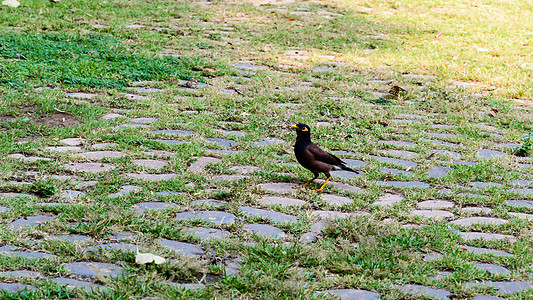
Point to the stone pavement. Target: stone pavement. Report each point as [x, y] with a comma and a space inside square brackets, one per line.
[398, 166]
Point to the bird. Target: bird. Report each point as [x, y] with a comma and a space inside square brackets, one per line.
[311, 157]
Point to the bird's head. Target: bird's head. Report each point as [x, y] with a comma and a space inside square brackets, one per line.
[302, 129]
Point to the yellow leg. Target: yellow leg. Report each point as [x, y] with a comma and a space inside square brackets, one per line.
[323, 185]
[305, 184]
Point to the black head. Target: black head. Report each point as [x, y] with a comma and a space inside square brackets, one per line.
[302, 130]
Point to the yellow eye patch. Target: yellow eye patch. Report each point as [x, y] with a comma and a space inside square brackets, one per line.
[305, 129]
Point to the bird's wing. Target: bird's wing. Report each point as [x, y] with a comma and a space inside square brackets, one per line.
[323, 156]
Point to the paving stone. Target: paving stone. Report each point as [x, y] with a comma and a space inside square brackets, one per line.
[30, 222]
[401, 153]
[350, 294]
[2, 208]
[441, 275]
[488, 154]
[388, 200]
[354, 163]
[89, 167]
[393, 171]
[73, 284]
[228, 178]
[174, 132]
[99, 155]
[343, 186]
[103, 145]
[112, 247]
[93, 270]
[493, 269]
[151, 177]
[72, 141]
[217, 217]
[509, 145]
[484, 185]
[143, 206]
[201, 163]
[265, 230]
[523, 191]
[520, 203]
[269, 142]
[413, 289]
[442, 143]
[333, 215]
[283, 201]
[400, 162]
[133, 126]
[477, 250]
[225, 143]
[346, 174]
[522, 216]
[322, 69]
[124, 190]
[432, 214]
[249, 67]
[15, 195]
[150, 163]
[432, 256]
[267, 214]
[479, 220]
[71, 194]
[27, 158]
[232, 132]
[185, 249]
[121, 236]
[111, 116]
[22, 274]
[344, 153]
[245, 170]
[68, 237]
[80, 95]
[448, 153]
[233, 267]
[468, 236]
[63, 149]
[13, 251]
[323, 124]
[403, 184]
[521, 182]
[477, 210]
[435, 204]
[143, 120]
[171, 142]
[335, 200]
[442, 126]
[504, 288]
[206, 233]
[441, 135]
[207, 203]
[16, 287]
[487, 297]
[399, 143]
[438, 172]
[278, 187]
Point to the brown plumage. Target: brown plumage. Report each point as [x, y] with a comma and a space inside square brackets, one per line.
[311, 157]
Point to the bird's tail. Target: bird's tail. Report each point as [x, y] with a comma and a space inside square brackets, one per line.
[347, 168]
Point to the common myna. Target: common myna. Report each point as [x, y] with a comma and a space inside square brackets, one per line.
[311, 157]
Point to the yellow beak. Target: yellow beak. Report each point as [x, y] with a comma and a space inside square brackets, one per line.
[295, 127]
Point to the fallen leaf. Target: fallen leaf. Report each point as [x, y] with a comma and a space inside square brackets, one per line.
[73, 10]
[54, 1]
[11, 3]
[144, 258]
[463, 250]
[290, 19]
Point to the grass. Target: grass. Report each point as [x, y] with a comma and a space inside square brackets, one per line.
[50, 49]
